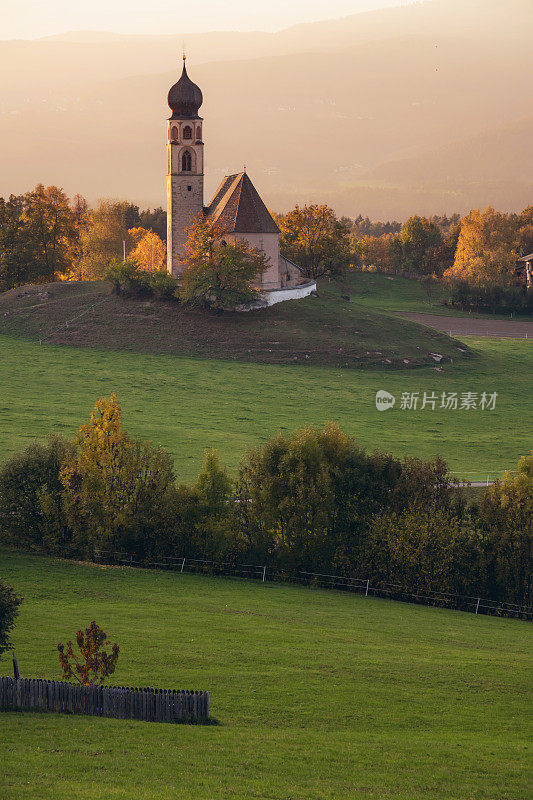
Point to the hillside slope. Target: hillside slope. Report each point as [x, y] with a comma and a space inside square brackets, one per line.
[319, 695]
[327, 330]
[501, 155]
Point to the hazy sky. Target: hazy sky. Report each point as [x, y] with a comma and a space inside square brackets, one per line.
[27, 19]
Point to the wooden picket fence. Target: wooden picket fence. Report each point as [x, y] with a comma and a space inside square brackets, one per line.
[121, 702]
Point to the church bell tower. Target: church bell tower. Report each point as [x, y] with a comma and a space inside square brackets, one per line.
[185, 167]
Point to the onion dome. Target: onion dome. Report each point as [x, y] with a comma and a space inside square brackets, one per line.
[185, 97]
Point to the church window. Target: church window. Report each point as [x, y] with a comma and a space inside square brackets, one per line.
[199, 133]
[174, 132]
[189, 188]
[187, 132]
[186, 162]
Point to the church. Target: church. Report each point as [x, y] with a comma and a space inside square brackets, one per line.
[236, 208]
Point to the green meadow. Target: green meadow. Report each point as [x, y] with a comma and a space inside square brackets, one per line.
[188, 404]
[317, 694]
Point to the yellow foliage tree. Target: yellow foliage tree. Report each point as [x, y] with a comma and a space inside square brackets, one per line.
[486, 251]
[315, 239]
[115, 489]
[150, 251]
[103, 238]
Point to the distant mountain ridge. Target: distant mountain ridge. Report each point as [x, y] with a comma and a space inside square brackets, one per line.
[413, 108]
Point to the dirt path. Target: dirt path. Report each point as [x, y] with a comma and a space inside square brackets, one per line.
[461, 326]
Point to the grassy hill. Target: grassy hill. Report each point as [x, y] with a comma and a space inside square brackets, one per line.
[328, 330]
[188, 404]
[186, 381]
[319, 695]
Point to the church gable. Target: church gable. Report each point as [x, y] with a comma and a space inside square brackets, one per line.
[238, 208]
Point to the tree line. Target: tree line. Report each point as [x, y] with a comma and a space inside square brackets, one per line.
[44, 236]
[474, 257]
[313, 500]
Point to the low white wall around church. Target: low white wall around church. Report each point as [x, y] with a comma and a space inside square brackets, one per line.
[295, 293]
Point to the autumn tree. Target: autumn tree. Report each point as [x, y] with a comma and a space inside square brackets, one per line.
[17, 255]
[525, 231]
[487, 250]
[219, 275]
[316, 240]
[52, 229]
[422, 246]
[38, 237]
[80, 209]
[9, 607]
[364, 226]
[93, 664]
[150, 253]
[117, 491]
[373, 252]
[104, 238]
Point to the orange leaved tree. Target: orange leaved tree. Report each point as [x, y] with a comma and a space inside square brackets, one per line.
[93, 665]
[150, 251]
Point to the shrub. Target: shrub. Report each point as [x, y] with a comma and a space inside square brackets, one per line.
[93, 665]
[492, 299]
[424, 549]
[129, 280]
[506, 519]
[162, 285]
[305, 500]
[9, 608]
[31, 514]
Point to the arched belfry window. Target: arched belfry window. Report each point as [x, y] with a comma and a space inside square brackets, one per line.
[187, 132]
[174, 132]
[199, 133]
[186, 162]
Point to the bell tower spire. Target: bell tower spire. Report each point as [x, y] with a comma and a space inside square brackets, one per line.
[185, 167]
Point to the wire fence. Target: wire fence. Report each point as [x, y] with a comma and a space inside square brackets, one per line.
[490, 334]
[367, 586]
[66, 323]
[480, 478]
